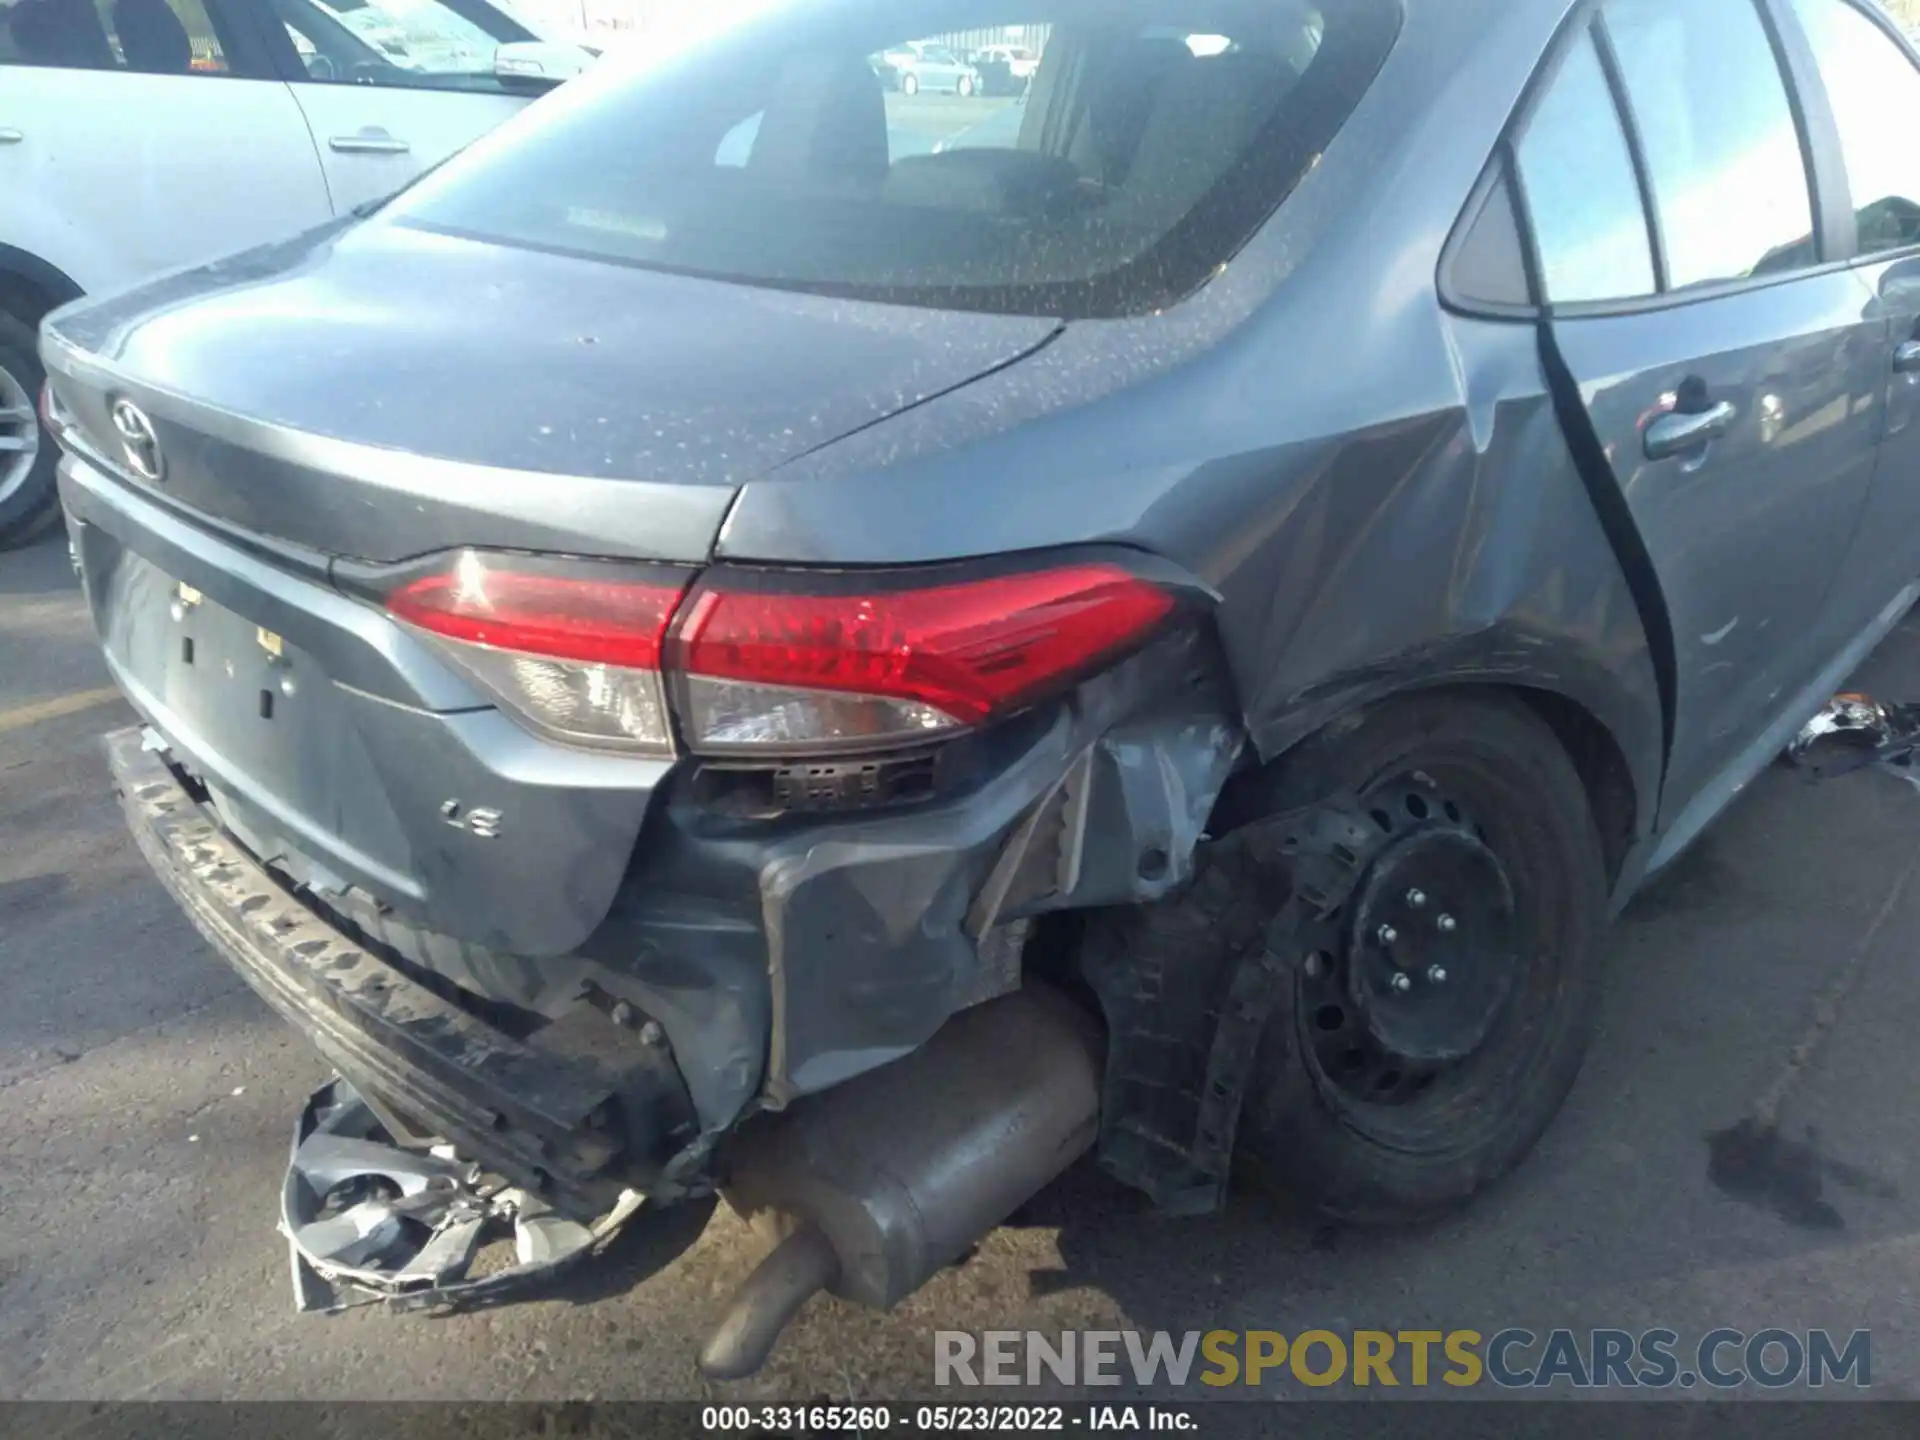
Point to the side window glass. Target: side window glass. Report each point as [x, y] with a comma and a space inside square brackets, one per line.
[1488, 263]
[1722, 152]
[413, 44]
[1581, 195]
[1875, 93]
[151, 37]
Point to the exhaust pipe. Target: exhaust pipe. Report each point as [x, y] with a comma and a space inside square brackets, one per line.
[872, 1187]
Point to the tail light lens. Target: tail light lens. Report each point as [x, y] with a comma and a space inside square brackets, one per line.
[770, 664]
[51, 415]
[572, 647]
[773, 667]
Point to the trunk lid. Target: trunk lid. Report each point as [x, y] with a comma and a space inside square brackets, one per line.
[385, 391]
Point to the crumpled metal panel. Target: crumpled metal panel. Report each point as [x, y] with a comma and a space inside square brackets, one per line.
[784, 960]
[1150, 788]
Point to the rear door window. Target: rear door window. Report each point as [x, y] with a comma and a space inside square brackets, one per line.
[1590, 232]
[1874, 89]
[151, 37]
[1730, 187]
[409, 44]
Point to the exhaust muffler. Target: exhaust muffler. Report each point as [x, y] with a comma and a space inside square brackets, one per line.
[869, 1189]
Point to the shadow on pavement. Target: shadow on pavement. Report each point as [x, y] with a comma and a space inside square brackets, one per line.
[41, 568]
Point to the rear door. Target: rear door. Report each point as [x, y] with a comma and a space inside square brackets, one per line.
[1872, 92]
[139, 135]
[1728, 371]
[389, 92]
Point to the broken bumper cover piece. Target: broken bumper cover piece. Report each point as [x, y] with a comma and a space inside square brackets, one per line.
[544, 1122]
[1853, 731]
[368, 1222]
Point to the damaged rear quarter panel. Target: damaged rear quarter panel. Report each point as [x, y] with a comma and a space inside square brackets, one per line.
[848, 941]
[1453, 544]
[1377, 489]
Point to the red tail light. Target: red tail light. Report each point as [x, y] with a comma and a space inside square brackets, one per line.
[774, 663]
[49, 416]
[571, 617]
[572, 647]
[774, 667]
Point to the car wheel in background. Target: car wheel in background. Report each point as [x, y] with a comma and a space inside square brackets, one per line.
[909, 85]
[28, 499]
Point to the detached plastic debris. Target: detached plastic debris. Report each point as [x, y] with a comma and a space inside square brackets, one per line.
[1854, 731]
[368, 1222]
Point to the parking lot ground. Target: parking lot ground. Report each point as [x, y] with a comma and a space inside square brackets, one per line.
[146, 1101]
[916, 123]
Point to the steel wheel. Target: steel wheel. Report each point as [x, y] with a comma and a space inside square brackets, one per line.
[1432, 1030]
[1434, 950]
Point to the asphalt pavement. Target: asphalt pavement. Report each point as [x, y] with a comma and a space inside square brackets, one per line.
[146, 1104]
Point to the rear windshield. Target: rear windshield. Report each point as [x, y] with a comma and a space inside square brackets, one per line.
[884, 149]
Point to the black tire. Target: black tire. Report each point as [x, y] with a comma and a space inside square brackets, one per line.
[1426, 1150]
[30, 506]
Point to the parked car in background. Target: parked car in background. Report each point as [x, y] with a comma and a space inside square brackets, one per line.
[1005, 69]
[141, 135]
[925, 65]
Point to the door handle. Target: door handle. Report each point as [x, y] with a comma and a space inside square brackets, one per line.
[1680, 431]
[1906, 358]
[368, 142]
[10, 136]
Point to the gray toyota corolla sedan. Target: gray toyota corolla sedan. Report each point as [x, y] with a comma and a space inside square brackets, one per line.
[716, 643]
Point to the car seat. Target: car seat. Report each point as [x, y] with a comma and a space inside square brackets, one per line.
[826, 122]
[152, 37]
[1207, 116]
[60, 32]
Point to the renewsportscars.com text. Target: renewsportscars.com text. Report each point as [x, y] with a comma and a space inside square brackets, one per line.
[1514, 1359]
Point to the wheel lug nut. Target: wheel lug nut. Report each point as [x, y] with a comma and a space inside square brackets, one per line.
[1388, 934]
[1437, 974]
[1416, 898]
[1403, 983]
[1448, 924]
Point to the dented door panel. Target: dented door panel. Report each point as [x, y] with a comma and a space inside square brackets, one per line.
[1747, 531]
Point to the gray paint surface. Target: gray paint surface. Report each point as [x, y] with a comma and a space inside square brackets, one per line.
[1379, 492]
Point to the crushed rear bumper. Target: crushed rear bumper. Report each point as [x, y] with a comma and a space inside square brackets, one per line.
[546, 1121]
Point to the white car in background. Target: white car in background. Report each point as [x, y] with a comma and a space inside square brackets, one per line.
[1006, 69]
[138, 136]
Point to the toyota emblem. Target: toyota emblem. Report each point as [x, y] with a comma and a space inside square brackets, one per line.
[137, 440]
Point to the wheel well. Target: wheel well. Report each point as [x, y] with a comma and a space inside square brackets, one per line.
[28, 296]
[1601, 765]
[1596, 756]
[22, 300]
